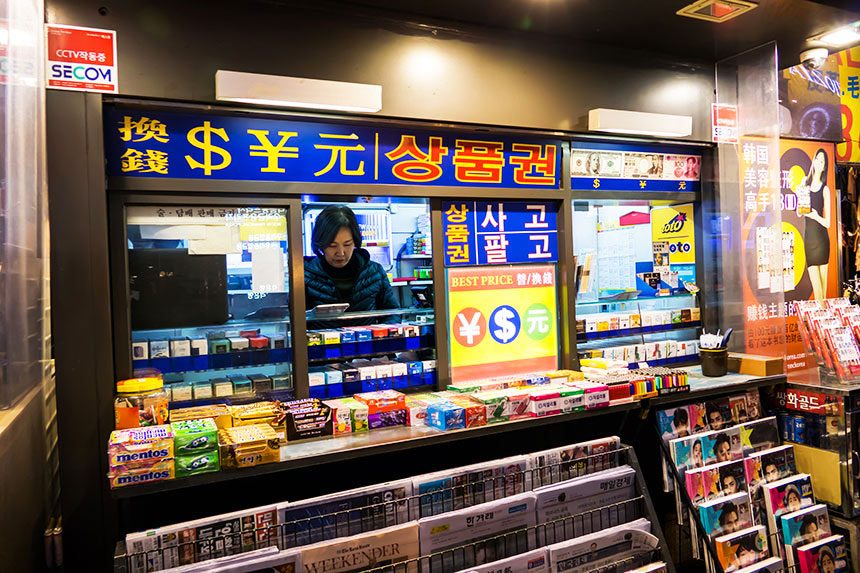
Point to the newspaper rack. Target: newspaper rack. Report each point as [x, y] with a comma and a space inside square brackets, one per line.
[698, 534]
[342, 524]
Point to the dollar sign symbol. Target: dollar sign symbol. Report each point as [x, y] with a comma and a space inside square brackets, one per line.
[206, 145]
[507, 330]
[597, 183]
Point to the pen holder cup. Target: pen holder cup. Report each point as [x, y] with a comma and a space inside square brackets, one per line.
[715, 362]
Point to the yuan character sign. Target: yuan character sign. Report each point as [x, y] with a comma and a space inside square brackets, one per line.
[81, 59]
[502, 319]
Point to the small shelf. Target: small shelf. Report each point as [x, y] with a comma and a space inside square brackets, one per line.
[414, 257]
[411, 383]
[239, 359]
[606, 334]
[376, 347]
[646, 299]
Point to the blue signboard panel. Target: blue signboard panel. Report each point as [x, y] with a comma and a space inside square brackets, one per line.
[197, 145]
[499, 232]
[626, 167]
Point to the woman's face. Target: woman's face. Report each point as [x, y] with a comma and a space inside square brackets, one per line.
[339, 251]
[793, 501]
[818, 162]
[697, 451]
[827, 565]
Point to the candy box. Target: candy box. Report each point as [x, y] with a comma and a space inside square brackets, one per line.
[359, 412]
[387, 419]
[194, 436]
[544, 402]
[382, 401]
[220, 413]
[259, 413]
[596, 394]
[199, 463]
[341, 416]
[571, 399]
[416, 412]
[446, 416]
[315, 339]
[475, 412]
[120, 476]
[518, 403]
[136, 447]
[496, 404]
[311, 421]
[248, 446]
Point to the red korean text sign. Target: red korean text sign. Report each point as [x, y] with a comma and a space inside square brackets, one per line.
[81, 59]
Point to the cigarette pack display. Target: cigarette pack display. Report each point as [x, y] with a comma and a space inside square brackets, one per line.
[316, 377]
[193, 436]
[199, 463]
[785, 496]
[828, 555]
[207, 538]
[489, 521]
[159, 349]
[180, 347]
[277, 341]
[379, 331]
[631, 543]
[446, 416]
[123, 475]
[260, 413]
[466, 486]
[220, 413]
[258, 342]
[330, 337]
[742, 548]
[282, 382]
[362, 334]
[388, 546]
[763, 467]
[758, 435]
[567, 462]
[199, 347]
[222, 387]
[305, 421]
[140, 350]
[804, 526]
[136, 447]
[346, 513]
[181, 393]
[260, 383]
[725, 515]
[239, 343]
[387, 419]
[219, 346]
[428, 366]
[535, 561]
[382, 401]
[202, 390]
[241, 384]
[315, 338]
[366, 370]
[247, 446]
[383, 369]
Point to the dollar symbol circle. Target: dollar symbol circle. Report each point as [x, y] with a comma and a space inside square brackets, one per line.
[507, 324]
[597, 183]
[208, 149]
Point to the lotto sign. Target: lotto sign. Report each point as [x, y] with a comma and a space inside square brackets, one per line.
[81, 59]
[502, 320]
[724, 123]
[675, 226]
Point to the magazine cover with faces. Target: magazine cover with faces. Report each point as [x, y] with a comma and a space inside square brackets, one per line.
[802, 527]
[722, 446]
[689, 452]
[763, 467]
[718, 414]
[725, 515]
[786, 496]
[742, 548]
[758, 435]
[827, 555]
[674, 423]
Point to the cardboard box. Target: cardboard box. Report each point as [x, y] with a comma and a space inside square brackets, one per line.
[755, 365]
[218, 412]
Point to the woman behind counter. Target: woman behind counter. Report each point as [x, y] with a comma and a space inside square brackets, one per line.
[342, 271]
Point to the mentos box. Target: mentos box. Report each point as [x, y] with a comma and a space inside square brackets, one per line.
[194, 436]
[136, 447]
[446, 416]
[122, 475]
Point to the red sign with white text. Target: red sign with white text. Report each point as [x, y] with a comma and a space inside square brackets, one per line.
[724, 123]
[81, 59]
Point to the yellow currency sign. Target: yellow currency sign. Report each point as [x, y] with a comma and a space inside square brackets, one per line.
[208, 149]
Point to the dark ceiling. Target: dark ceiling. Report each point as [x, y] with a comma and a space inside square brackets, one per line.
[650, 25]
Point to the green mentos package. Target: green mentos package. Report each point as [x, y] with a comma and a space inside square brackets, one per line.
[193, 436]
[199, 463]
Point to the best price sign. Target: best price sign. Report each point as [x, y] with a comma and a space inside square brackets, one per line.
[81, 59]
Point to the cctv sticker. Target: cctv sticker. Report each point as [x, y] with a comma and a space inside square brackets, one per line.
[81, 59]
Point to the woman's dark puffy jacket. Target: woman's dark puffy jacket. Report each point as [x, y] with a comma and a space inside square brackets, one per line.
[372, 291]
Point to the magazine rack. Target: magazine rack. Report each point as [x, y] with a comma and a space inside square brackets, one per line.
[396, 512]
[698, 534]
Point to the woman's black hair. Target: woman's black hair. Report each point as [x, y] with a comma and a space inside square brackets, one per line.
[721, 437]
[332, 219]
[825, 552]
[791, 489]
[807, 521]
[823, 174]
[680, 417]
[748, 543]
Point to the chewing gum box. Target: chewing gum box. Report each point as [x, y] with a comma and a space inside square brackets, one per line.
[136, 447]
[446, 416]
[596, 394]
[475, 411]
[193, 436]
[544, 402]
[382, 401]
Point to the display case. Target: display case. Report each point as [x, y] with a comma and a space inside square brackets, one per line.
[821, 419]
[208, 301]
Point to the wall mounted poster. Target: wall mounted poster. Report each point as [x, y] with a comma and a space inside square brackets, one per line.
[807, 238]
[849, 80]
